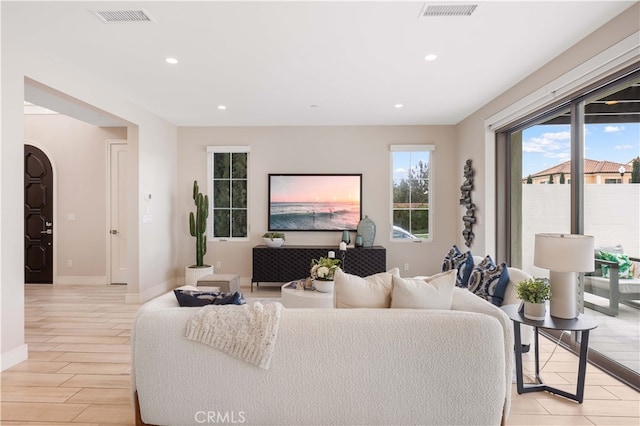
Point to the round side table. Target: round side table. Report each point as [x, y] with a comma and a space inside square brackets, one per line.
[583, 323]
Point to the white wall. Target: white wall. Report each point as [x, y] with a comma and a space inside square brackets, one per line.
[612, 216]
[78, 152]
[152, 168]
[471, 132]
[357, 149]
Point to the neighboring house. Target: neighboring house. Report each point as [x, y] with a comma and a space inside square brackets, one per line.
[595, 172]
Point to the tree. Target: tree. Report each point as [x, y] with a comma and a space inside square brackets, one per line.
[562, 177]
[635, 171]
[529, 180]
[550, 179]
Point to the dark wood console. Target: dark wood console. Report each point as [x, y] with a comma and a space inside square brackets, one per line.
[290, 263]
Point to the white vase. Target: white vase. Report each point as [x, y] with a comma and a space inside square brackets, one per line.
[192, 274]
[535, 311]
[323, 286]
[273, 242]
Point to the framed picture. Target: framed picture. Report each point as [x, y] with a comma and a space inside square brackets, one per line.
[315, 202]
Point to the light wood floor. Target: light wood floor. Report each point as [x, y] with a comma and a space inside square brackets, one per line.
[79, 364]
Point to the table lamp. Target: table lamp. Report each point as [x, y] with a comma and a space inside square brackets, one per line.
[564, 255]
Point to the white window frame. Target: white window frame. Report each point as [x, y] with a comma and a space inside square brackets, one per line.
[217, 149]
[413, 148]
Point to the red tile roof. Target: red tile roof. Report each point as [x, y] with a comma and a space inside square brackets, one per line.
[590, 167]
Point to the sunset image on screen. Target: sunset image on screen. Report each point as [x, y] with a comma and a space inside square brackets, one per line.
[314, 202]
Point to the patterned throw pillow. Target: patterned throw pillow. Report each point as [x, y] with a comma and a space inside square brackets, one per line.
[624, 264]
[489, 280]
[462, 262]
[192, 298]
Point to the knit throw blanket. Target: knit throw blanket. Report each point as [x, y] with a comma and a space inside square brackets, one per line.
[242, 331]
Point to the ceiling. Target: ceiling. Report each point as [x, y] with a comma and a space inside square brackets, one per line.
[304, 63]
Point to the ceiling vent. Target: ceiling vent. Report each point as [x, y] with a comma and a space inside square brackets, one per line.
[111, 16]
[435, 10]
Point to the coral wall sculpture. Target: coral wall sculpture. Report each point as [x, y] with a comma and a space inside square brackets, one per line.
[469, 218]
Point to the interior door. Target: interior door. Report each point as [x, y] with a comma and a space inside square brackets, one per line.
[38, 217]
[118, 214]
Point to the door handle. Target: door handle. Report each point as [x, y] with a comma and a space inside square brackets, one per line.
[114, 232]
[47, 231]
[48, 224]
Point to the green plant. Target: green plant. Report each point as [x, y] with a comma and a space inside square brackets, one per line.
[533, 290]
[324, 269]
[198, 223]
[635, 171]
[550, 179]
[562, 177]
[529, 180]
[272, 235]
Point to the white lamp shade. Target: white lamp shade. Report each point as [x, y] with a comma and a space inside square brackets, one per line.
[564, 252]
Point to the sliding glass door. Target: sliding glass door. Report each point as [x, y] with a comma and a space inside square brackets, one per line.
[571, 171]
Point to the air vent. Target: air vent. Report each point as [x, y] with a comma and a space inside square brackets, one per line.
[435, 10]
[111, 16]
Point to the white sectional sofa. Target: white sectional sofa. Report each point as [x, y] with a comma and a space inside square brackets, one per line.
[331, 366]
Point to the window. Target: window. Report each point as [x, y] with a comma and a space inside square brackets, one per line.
[228, 191]
[411, 180]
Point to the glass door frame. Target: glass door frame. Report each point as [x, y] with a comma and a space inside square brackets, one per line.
[505, 220]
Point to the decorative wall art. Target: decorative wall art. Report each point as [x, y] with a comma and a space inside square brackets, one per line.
[469, 218]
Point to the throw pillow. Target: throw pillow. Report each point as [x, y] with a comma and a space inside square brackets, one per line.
[461, 262]
[434, 292]
[352, 291]
[192, 298]
[489, 280]
[624, 264]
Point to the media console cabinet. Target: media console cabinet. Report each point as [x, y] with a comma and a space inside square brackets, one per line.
[288, 263]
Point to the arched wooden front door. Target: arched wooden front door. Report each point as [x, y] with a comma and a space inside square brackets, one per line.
[38, 217]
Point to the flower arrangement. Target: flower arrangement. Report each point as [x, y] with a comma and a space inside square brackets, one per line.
[324, 269]
[534, 290]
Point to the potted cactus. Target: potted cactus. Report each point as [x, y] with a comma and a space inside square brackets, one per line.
[198, 229]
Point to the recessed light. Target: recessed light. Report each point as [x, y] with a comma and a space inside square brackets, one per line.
[610, 102]
[398, 105]
[431, 57]
[171, 61]
[222, 107]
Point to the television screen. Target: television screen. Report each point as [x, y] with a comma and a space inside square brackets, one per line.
[315, 202]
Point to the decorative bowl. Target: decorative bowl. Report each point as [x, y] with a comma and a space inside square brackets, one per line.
[273, 242]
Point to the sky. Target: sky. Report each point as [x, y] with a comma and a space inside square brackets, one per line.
[318, 188]
[545, 146]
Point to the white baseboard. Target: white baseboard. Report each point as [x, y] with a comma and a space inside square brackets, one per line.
[149, 294]
[75, 280]
[13, 357]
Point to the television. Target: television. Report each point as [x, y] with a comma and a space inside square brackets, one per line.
[315, 202]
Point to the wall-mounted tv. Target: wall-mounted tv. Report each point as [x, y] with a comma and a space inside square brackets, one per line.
[315, 202]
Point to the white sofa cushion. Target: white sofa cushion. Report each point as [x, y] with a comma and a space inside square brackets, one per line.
[374, 291]
[434, 292]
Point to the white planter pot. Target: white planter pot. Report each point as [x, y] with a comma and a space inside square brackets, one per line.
[323, 286]
[192, 274]
[273, 242]
[535, 311]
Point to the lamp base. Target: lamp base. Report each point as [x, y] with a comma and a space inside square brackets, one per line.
[564, 295]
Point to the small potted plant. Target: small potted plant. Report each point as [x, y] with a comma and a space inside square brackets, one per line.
[534, 292]
[322, 272]
[273, 239]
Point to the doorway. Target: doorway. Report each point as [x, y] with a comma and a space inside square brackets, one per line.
[38, 217]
